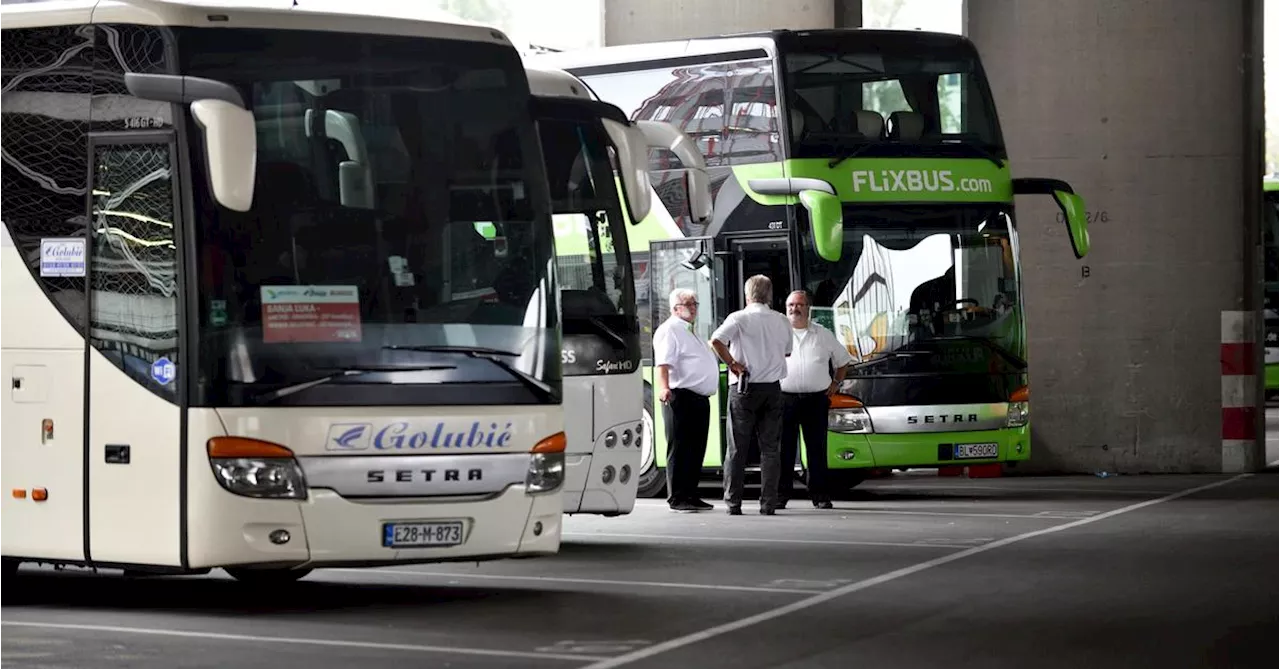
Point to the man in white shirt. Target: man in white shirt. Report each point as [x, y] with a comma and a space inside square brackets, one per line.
[685, 376]
[754, 342]
[809, 383]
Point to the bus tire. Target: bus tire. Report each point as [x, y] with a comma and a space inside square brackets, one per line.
[652, 481]
[266, 576]
[840, 481]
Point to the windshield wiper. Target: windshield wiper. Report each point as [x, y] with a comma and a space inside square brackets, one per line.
[982, 153]
[494, 355]
[601, 327]
[887, 357]
[1000, 350]
[851, 154]
[346, 371]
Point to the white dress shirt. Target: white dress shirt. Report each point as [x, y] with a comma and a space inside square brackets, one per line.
[815, 348]
[693, 364]
[759, 338]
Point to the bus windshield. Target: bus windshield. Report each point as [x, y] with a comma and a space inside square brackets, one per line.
[381, 161]
[845, 96]
[923, 291]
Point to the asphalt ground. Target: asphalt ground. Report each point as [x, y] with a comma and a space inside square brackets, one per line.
[910, 571]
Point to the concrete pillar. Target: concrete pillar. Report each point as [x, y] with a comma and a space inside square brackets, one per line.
[1152, 111]
[639, 21]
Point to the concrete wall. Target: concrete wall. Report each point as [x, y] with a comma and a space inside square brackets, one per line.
[639, 21]
[1140, 106]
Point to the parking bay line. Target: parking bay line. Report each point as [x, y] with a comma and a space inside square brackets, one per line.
[374, 645]
[751, 540]
[584, 581]
[810, 602]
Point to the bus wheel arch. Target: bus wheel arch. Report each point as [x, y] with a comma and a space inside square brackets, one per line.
[652, 480]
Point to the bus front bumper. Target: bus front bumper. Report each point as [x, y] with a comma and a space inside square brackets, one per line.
[603, 482]
[926, 449]
[327, 530]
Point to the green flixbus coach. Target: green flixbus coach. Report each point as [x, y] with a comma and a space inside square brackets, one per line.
[868, 168]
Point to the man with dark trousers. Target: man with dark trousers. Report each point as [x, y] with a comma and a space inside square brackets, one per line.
[685, 377]
[809, 383]
[754, 343]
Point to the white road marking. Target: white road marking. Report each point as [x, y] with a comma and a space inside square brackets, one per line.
[584, 581]
[754, 540]
[811, 602]
[302, 641]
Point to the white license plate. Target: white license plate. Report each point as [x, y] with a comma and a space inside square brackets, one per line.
[971, 451]
[422, 534]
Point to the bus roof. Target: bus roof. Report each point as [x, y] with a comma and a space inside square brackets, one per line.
[744, 42]
[391, 17]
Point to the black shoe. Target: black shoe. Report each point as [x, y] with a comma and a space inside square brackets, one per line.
[766, 511]
[683, 506]
[781, 505]
[735, 511]
[824, 504]
[697, 503]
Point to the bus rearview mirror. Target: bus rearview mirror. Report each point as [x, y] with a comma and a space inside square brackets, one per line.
[665, 136]
[826, 223]
[230, 149]
[230, 135]
[1070, 204]
[633, 167]
[1072, 207]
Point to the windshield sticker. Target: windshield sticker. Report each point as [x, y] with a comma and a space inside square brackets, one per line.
[400, 271]
[62, 256]
[310, 314]
[163, 371]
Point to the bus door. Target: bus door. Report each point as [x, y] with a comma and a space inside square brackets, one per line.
[134, 376]
[685, 263]
[747, 257]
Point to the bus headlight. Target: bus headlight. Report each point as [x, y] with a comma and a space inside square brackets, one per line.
[546, 472]
[849, 421]
[256, 468]
[1019, 413]
[546, 465]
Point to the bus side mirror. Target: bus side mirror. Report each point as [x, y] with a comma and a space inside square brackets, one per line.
[230, 149]
[1072, 207]
[1070, 204]
[633, 165]
[826, 223]
[698, 188]
[663, 135]
[230, 134]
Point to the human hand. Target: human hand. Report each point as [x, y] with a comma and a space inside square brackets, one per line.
[664, 395]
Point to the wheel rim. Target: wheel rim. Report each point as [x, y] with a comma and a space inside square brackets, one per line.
[646, 442]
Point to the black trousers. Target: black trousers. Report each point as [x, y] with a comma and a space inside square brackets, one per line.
[755, 417]
[807, 413]
[687, 419]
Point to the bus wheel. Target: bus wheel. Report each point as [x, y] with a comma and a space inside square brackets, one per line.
[652, 481]
[841, 481]
[266, 576]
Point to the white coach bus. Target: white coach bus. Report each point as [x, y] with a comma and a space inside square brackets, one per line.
[603, 389]
[248, 320]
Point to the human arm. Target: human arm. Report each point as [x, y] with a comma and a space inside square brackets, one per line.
[666, 352]
[729, 329]
[840, 360]
[664, 383]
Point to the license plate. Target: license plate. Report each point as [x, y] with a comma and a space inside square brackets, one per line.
[422, 534]
[973, 451]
